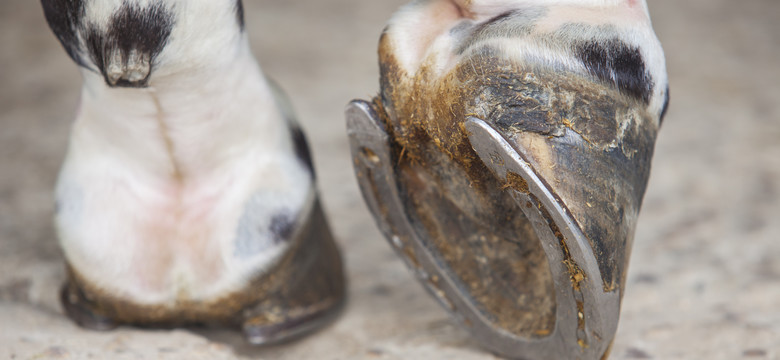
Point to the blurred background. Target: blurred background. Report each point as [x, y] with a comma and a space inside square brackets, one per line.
[704, 281]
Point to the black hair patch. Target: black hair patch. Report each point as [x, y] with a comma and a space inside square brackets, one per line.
[131, 28]
[510, 24]
[494, 20]
[64, 18]
[616, 62]
[240, 14]
[302, 149]
[665, 106]
[143, 29]
[478, 31]
[282, 227]
[95, 43]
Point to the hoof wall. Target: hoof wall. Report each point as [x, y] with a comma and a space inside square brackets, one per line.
[261, 331]
[312, 294]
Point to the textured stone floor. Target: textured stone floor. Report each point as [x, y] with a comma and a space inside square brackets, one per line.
[704, 281]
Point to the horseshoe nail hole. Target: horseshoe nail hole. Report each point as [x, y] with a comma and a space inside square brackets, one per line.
[370, 155]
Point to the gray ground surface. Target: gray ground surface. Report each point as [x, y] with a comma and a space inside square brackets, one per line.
[704, 281]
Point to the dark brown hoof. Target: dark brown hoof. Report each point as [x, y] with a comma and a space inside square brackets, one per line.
[263, 330]
[522, 237]
[76, 306]
[311, 291]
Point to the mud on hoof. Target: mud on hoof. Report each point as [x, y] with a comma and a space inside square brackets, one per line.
[311, 289]
[79, 309]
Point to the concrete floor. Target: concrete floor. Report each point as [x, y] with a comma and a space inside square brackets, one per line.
[704, 281]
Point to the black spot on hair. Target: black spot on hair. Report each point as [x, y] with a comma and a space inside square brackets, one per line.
[240, 13]
[131, 28]
[282, 226]
[302, 149]
[64, 18]
[615, 62]
[478, 30]
[516, 23]
[494, 19]
[665, 106]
